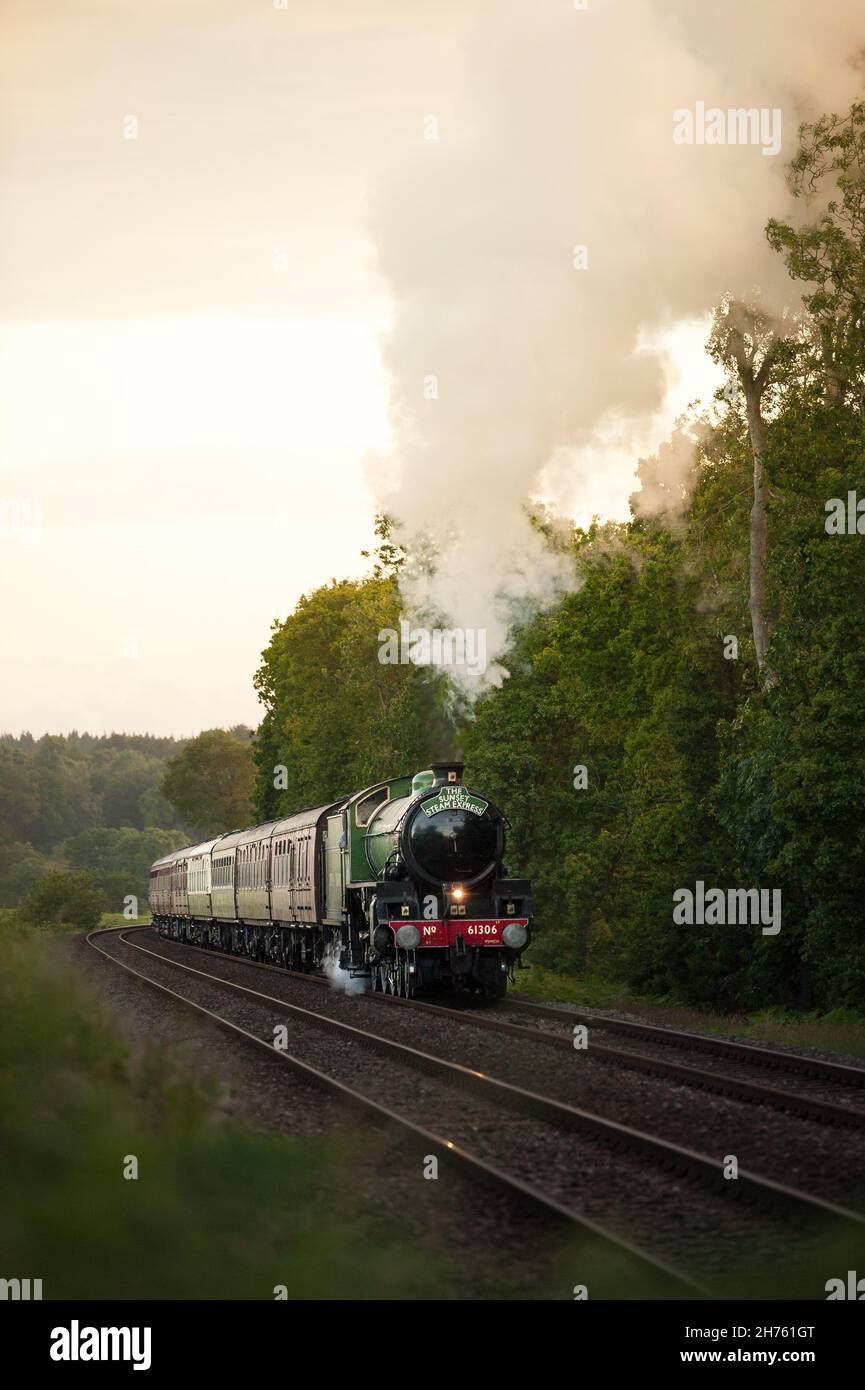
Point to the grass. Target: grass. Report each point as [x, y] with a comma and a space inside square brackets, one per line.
[117, 919]
[10, 919]
[842, 1030]
[217, 1210]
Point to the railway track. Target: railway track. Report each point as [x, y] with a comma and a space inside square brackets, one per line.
[668, 1281]
[792, 1062]
[672, 1159]
[736, 1087]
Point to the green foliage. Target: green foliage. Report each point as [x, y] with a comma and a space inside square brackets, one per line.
[389, 557]
[63, 899]
[695, 770]
[217, 1212]
[827, 253]
[624, 680]
[54, 787]
[21, 866]
[335, 717]
[84, 802]
[210, 782]
[118, 860]
[792, 781]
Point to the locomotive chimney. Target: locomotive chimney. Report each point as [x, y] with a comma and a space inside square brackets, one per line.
[447, 774]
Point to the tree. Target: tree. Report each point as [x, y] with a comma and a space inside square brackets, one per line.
[63, 899]
[389, 556]
[791, 780]
[19, 796]
[827, 253]
[119, 860]
[21, 866]
[67, 801]
[744, 337]
[336, 718]
[210, 782]
[128, 778]
[56, 786]
[626, 679]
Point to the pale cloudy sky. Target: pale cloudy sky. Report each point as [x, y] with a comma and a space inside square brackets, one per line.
[190, 341]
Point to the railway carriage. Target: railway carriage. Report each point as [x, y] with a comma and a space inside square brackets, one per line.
[402, 882]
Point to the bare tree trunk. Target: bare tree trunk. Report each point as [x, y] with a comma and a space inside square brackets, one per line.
[758, 525]
[744, 335]
[753, 385]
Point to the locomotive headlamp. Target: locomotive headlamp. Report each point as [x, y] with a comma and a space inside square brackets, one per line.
[408, 935]
[515, 935]
[382, 939]
[458, 893]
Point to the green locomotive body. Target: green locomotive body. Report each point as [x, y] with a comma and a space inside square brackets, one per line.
[402, 883]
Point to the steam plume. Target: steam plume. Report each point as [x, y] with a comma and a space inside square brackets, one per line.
[514, 372]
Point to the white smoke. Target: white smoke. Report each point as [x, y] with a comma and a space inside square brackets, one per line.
[513, 371]
[668, 478]
[339, 978]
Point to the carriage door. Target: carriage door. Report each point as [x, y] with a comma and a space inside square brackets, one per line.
[333, 875]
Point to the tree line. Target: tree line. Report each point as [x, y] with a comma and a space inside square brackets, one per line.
[103, 808]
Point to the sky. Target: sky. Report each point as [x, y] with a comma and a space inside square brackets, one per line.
[199, 280]
[190, 373]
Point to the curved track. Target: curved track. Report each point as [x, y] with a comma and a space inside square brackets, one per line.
[792, 1062]
[771, 1196]
[671, 1282]
[841, 1079]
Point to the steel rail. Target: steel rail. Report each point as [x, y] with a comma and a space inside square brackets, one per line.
[736, 1088]
[793, 1062]
[673, 1282]
[668, 1155]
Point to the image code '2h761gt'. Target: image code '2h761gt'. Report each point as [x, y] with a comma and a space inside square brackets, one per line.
[403, 883]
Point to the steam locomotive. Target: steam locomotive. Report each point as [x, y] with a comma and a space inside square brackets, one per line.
[402, 883]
